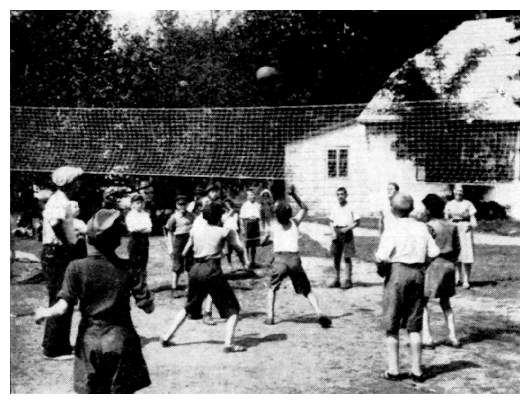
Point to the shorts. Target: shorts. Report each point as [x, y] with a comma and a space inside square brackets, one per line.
[289, 264]
[403, 300]
[206, 278]
[251, 232]
[180, 263]
[343, 243]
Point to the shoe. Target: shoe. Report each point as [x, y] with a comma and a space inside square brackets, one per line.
[208, 319]
[334, 284]
[269, 321]
[234, 349]
[455, 343]
[324, 321]
[347, 284]
[392, 377]
[165, 343]
[466, 285]
[65, 357]
[417, 378]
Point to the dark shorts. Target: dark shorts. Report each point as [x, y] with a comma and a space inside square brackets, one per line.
[180, 263]
[289, 264]
[403, 300]
[440, 279]
[108, 359]
[206, 278]
[343, 243]
[251, 232]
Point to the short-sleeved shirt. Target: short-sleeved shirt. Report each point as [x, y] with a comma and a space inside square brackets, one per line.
[343, 215]
[284, 240]
[58, 208]
[463, 209]
[250, 210]
[408, 242]
[208, 241]
[230, 221]
[180, 223]
[387, 216]
[138, 221]
[103, 288]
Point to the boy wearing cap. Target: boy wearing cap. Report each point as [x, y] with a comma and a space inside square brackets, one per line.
[407, 247]
[108, 353]
[58, 239]
[250, 215]
[343, 221]
[139, 225]
[177, 231]
[207, 278]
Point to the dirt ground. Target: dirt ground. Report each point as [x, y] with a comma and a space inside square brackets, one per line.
[296, 355]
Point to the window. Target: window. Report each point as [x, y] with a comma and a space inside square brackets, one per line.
[337, 163]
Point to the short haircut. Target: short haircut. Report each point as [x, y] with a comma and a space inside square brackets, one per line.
[435, 205]
[137, 198]
[283, 212]
[342, 189]
[212, 213]
[402, 204]
[395, 185]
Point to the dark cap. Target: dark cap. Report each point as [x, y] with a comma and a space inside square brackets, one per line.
[100, 222]
[181, 198]
[137, 198]
[213, 187]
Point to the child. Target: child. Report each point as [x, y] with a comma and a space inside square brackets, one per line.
[207, 278]
[177, 231]
[108, 353]
[407, 246]
[139, 225]
[284, 235]
[440, 275]
[343, 221]
[386, 217]
[249, 217]
[80, 250]
[230, 221]
[267, 203]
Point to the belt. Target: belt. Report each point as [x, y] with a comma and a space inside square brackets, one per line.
[457, 220]
[206, 259]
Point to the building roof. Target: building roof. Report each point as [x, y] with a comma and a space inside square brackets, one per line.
[492, 87]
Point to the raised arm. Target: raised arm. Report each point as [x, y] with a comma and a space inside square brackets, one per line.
[303, 207]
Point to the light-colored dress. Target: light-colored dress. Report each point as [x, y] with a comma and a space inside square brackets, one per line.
[460, 212]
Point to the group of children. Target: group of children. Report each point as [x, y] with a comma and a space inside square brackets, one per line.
[416, 259]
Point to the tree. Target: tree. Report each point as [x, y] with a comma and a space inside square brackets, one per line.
[61, 58]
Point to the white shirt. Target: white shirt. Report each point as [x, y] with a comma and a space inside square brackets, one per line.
[198, 222]
[284, 240]
[388, 217]
[463, 209]
[343, 215]
[407, 241]
[58, 208]
[250, 210]
[230, 221]
[138, 221]
[208, 241]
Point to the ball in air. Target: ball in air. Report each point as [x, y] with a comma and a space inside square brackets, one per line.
[266, 72]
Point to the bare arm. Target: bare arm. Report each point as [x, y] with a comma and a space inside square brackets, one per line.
[58, 309]
[233, 240]
[300, 216]
[188, 246]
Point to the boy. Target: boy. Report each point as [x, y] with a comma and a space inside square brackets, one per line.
[343, 221]
[108, 353]
[80, 250]
[386, 217]
[230, 220]
[207, 278]
[249, 216]
[284, 235]
[139, 225]
[177, 231]
[408, 247]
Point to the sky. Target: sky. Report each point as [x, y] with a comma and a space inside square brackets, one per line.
[140, 20]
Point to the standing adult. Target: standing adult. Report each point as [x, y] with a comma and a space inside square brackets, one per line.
[386, 216]
[462, 212]
[58, 239]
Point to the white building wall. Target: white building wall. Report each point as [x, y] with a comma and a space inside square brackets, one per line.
[372, 164]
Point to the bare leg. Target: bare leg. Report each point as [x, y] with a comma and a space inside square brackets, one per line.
[335, 283]
[314, 302]
[415, 353]
[392, 354]
[231, 324]
[426, 331]
[458, 271]
[271, 298]
[466, 275]
[177, 323]
[445, 304]
[174, 280]
[207, 312]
